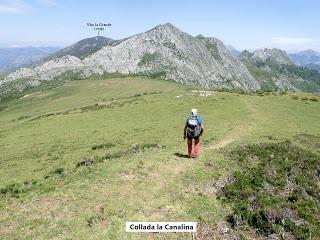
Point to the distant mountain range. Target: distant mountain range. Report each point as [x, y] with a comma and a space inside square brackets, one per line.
[13, 58]
[85, 47]
[307, 58]
[273, 69]
[168, 53]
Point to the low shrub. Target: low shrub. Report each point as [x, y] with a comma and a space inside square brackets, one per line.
[277, 189]
[314, 99]
[103, 145]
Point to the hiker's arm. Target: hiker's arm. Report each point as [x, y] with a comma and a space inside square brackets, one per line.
[184, 131]
[202, 130]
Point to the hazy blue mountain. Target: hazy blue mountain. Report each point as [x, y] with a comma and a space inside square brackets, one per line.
[305, 57]
[13, 58]
[233, 51]
[308, 58]
[85, 47]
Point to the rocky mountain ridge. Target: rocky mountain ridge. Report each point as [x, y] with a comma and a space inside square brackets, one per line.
[168, 53]
[85, 47]
[165, 51]
[274, 70]
[274, 56]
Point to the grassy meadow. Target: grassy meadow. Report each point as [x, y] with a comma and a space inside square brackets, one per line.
[80, 159]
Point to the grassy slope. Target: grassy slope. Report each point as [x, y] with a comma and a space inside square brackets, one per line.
[154, 184]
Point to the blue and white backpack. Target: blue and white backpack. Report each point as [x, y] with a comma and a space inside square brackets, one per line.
[193, 127]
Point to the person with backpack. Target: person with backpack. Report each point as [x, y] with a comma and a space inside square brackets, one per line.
[193, 130]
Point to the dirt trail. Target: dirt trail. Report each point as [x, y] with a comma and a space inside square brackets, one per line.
[31, 94]
[222, 143]
[241, 130]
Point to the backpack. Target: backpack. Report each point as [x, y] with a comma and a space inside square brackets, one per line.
[193, 127]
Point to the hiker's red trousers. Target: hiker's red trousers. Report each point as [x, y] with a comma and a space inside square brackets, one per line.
[196, 146]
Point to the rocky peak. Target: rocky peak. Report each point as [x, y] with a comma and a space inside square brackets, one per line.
[163, 32]
[275, 56]
[166, 27]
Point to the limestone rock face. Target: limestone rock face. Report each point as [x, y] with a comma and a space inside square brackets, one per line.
[47, 70]
[274, 55]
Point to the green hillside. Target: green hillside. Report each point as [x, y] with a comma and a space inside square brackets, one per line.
[80, 158]
[268, 73]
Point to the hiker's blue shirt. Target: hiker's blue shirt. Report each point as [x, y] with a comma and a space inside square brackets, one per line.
[199, 119]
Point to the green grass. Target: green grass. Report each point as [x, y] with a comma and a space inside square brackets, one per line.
[80, 159]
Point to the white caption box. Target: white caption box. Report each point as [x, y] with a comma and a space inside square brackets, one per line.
[161, 226]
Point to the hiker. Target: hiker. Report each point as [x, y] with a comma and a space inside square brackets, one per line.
[193, 130]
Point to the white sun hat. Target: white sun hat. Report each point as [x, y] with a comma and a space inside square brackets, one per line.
[194, 111]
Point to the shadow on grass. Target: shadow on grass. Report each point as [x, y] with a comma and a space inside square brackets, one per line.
[181, 155]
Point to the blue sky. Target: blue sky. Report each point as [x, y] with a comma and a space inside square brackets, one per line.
[246, 24]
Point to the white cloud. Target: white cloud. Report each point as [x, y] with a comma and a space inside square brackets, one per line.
[20, 6]
[14, 7]
[48, 2]
[294, 41]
